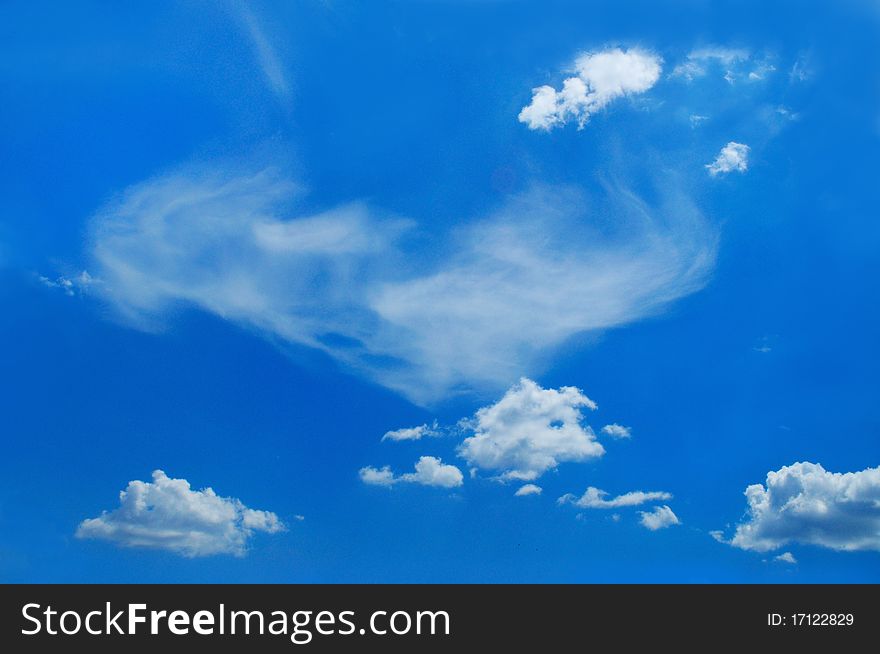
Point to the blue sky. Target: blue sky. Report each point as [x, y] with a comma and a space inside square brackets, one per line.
[306, 225]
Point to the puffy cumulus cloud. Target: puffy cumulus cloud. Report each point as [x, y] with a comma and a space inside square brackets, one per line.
[601, 77]
[496, 296]
[616, 431]
[659, 518]
[700, 60]
[786, 557]
[377, 476]
[167, 514]
[430, 471]
[529, 431]
[733, 157]
[594, 498]
[804, 503]
[411, 433]
[528, 489]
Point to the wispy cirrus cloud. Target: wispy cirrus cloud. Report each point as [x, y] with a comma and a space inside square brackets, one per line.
[701, 60]
[265, 52]
[507, 289]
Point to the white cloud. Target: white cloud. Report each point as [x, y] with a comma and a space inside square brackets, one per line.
[167, 514]
[801, 71]
[699, 61]
[733, 157]
[494, 300]
[616, 431]
[430, 471]
[804, 503]
[660, 518]
[70, 285]
[601, 78]
[528, 489]
[377, 476]
[761, 71]
[594, 498]
[529, 431]
[786, 557]
[267, 57]
[697, 119]
[412, 433]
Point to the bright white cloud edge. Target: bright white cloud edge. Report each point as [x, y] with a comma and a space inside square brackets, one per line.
[167, 514]
[594, 498]
[429, 471]
[601, 77]
[660, 517]
[806, 504]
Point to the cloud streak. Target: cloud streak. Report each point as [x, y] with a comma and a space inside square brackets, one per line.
[497, 296]
[594, 498]
[266, 55]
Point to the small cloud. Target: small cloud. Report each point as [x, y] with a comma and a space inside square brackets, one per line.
[601, 78]
[412, 433]
[701, 60]
[733, 157]
[764, 344]
[660, 518]
[617, 431]
[267, 57]
[430, 471]
[594, 498]
[529, 431]
[786, 557]
[70, 285]
[761, 71]
[377, 476]
[787, 113]
[528, 489]
[801, 70]
[299, 517]
[696, 120]
[167, 514]
[718, 535]
[615, 517]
